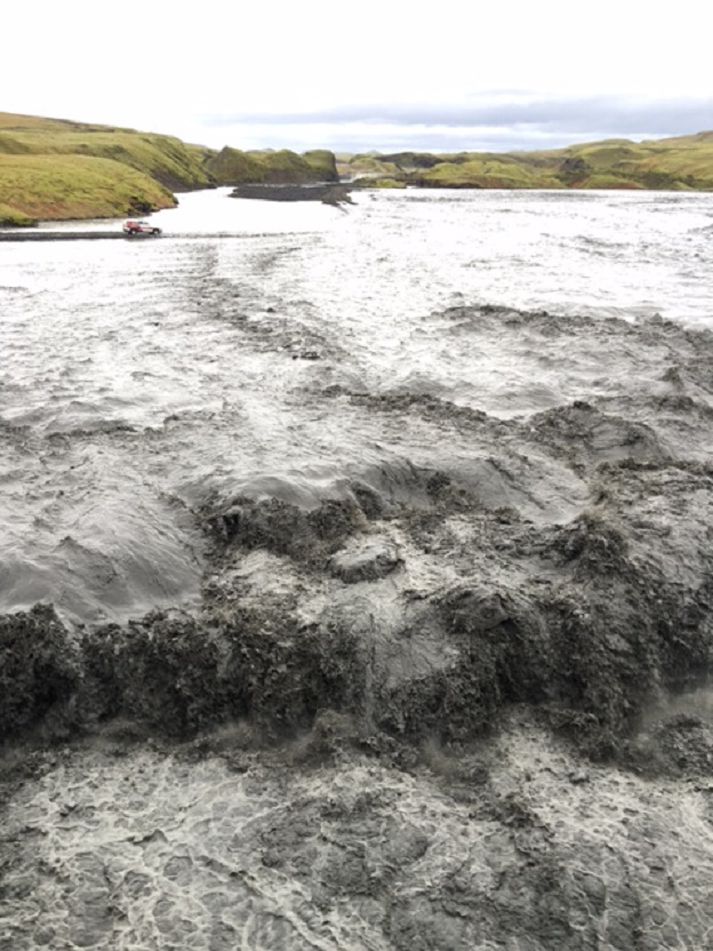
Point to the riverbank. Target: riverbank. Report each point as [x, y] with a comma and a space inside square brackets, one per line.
[55, 170]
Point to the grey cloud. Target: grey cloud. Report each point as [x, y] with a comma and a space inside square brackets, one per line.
[617, 117]
[405, 138]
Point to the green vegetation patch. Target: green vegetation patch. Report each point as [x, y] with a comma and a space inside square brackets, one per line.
[379, 183]
[164, 158]
[362, 166]
[608, 181]
[677, 164]
[12, 218]
[73, 186]
[323, 163]
[56, 169]
[485, 173]
[284, 167]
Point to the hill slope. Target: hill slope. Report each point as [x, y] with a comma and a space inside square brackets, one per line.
[677, 164]
[53, 168]
[235, 167]
[58, 169]
[74, 186]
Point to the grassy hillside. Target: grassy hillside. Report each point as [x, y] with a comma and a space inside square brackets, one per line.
[57, 169]
[165, 157]
[488, 172]
[74, 186]
[683, 163]
[235, 167]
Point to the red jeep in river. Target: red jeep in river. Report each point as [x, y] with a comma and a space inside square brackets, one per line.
[131, 228]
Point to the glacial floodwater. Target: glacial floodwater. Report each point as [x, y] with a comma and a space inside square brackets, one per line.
[139, 378]
[380, 547]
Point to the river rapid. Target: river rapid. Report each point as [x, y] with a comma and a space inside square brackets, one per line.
[356, 576]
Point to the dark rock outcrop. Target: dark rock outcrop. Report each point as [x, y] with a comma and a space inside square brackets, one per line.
[327, 194]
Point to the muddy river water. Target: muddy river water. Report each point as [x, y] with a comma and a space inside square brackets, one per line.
[356, 577]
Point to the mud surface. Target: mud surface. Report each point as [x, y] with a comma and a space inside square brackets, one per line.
[513, 844]
[337, 619]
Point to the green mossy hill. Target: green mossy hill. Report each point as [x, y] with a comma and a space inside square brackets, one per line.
[677, 164]
[235, 167]
[164, 158]
[367, 166]
[485, 172]
[53, 187]
[415, 160]
[323, 163]
[56, 169]
[667, 164]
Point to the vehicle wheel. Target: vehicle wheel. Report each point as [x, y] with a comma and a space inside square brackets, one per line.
[156, 231]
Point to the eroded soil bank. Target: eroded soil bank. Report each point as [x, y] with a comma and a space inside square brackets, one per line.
[454, 699]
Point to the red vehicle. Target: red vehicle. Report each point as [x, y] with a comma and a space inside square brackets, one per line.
[131, 228]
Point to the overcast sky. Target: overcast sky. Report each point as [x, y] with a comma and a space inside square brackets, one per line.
[381, 75]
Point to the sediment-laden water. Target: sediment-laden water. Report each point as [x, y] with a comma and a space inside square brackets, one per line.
[355, 577]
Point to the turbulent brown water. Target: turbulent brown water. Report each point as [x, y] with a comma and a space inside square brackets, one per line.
[356, 577]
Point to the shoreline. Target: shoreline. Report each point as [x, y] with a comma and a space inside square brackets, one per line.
[337, 194]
